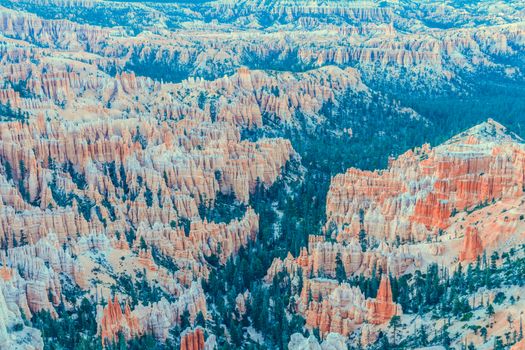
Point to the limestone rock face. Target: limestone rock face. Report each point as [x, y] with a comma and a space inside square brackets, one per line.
[332, 307]
[114, 174]
[13, 333]
[419, 194]
[339, 308]
[114, 321]
[335, 307]
[33, 281]
[157, 318]
[320, 259]
[367, 34]
[124, 136]
[167, 185]
[333, 341]
[399, 220]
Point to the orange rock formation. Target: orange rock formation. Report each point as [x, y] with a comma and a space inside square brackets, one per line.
[418, 194]
[192, 340]
[107, 153]
[114, 321]
[472, 245]
[382, 308]
[320, 259]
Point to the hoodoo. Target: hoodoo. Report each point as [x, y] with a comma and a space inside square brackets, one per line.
[224, 174]
[472, 245]
[382, 308]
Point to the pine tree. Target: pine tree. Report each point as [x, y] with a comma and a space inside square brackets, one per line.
[445, 337]
[395, 321]
[123, 179]
[340, 273]
[200, 320]
[149, 197]
[490, 312]
[483, 332]
[422, 336]
[8, 170]
[121, 341]
[143, 244]
[498, 344]
[185, 319]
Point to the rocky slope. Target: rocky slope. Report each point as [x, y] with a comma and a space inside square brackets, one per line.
[147, 148]
[421, 193]
[416, 198]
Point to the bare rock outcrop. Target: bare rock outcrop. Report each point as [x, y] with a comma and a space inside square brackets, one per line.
[472, 245]
[114, 321]
[382, 308]
[13, 333]
[193, 340]
[421, 191]
[321, 258]
[333, 341]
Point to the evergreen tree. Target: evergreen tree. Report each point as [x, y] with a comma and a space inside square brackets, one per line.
[340, 272]
[148, 195]
[200, 320]
[490, 311]
[422, 336]
[395, 321]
